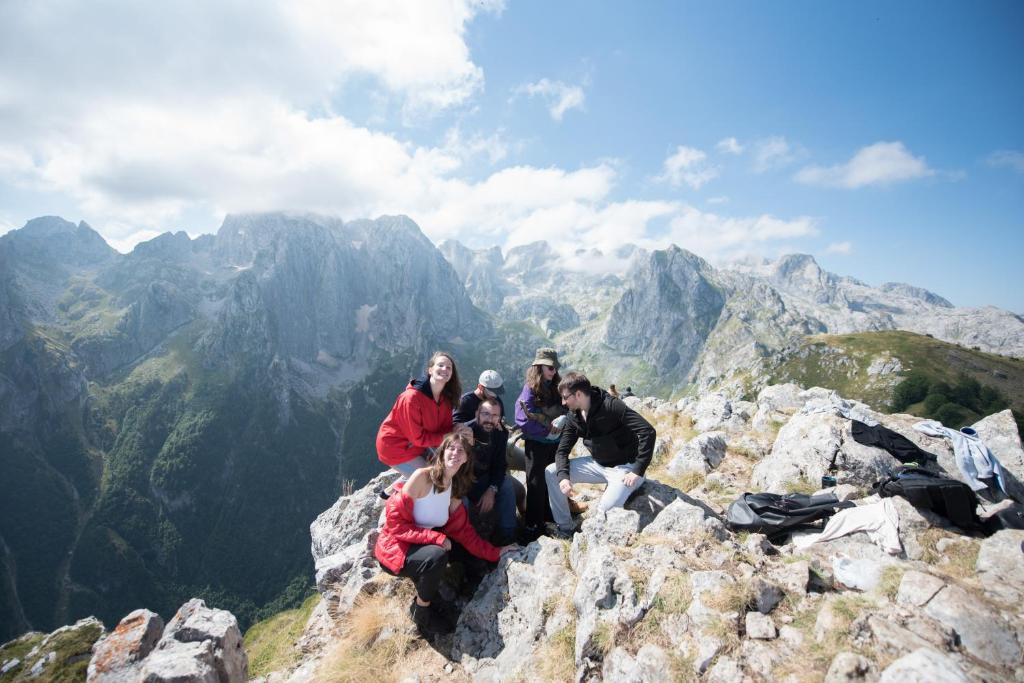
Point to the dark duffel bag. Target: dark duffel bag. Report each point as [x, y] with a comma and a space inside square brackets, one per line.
[774, 514]
[927, 490]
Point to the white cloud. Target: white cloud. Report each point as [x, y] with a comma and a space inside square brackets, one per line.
[729, 146]
[687, 166]
[839, 248]
[721, 237]
[774, 152]
[187, 111]
[882, 163]
[559, 96]
[1008, 158]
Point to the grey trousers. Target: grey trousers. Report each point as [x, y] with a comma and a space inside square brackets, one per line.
[585, 470]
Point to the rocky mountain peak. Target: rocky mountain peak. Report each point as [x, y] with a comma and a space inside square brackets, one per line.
[912, 292]
[55, 242]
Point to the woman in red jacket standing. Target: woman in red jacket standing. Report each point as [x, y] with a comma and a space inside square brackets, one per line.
[420, 418]
[421, 520]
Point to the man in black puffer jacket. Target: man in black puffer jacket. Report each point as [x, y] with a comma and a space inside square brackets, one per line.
[621, 445]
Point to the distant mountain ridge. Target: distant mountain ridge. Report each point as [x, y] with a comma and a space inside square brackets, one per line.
[173, 418]
[671, 320]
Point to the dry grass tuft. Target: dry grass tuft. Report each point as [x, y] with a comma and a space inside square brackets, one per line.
[802, 485]
[889, 581]
[558, 656]
[957, 559]
[734, 597]
[378, 643]
[270, 644]
[807, 663]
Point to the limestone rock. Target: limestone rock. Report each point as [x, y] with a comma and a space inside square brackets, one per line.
[1000, 567]
[701, 454]
[811, 445]
[650, 665]
[850, 666]
[917, 588]
[923, 666]
[981, 629]
[210, 637]
[760, 626]
[775, 404]
[115, 655]
[182, 663]
[681, 519]
[495, 635]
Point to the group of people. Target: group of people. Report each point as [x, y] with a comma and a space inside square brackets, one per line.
[450, 449]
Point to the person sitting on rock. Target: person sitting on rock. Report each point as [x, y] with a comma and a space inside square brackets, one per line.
[420, 417]
[490, 385]
[494, 491]
[621, 444]
[422, 519]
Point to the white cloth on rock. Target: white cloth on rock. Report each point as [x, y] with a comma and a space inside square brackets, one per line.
[879, 520]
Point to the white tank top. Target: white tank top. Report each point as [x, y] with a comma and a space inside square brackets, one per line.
[432, 510]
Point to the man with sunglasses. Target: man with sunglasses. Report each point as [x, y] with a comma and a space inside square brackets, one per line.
[621, 445]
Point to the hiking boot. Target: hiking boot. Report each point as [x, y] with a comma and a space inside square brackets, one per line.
[429, 621]
[576, 509]
[562, 533]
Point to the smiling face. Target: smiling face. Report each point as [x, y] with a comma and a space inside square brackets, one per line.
[440, 369]
[487, 416]
[454, 455]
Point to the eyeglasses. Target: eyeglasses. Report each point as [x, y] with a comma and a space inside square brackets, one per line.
[566, 397]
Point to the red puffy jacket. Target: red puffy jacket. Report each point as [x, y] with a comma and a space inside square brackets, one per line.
[415, 422]
[400, 531]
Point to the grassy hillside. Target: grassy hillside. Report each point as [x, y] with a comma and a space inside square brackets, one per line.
[842, 362]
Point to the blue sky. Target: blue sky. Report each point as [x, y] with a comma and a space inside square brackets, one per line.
[884, 138]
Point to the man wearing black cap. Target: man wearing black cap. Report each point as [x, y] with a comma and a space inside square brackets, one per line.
[491, 386]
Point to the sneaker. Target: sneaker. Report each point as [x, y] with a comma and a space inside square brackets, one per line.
[428, 621]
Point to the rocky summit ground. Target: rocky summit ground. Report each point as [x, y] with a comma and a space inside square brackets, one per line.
[663, 590]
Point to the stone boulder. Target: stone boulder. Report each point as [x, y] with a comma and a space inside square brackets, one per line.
[201, 640]
[814, 444]
[923, 666]
[343, 540]
[775, 405]
[702, 453]
[523, 601]
[115, 655]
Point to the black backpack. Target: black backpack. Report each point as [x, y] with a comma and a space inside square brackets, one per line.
[926, 490]
[775, 515]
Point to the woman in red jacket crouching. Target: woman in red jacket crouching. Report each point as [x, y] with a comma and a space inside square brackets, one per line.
[422, 518]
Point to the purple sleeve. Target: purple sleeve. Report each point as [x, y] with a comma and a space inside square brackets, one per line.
[531, 428]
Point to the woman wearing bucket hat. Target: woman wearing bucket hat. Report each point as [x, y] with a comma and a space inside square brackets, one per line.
[538, 406]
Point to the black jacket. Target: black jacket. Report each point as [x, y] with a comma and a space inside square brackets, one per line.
[489, 464]
[614, 433]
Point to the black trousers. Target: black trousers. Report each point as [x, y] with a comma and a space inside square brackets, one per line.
[424, 565]
[538, 456]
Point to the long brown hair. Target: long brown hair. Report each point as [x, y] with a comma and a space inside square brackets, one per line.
[453, 389]
[543, 394]
[463, 479]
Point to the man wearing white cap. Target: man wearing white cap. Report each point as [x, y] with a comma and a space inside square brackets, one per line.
[489, 386]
